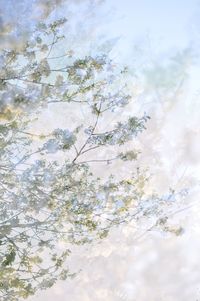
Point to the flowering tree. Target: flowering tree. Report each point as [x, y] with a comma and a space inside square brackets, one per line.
[44, 199]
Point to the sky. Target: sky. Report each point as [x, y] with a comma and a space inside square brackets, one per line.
[158, 40]
[168, 22]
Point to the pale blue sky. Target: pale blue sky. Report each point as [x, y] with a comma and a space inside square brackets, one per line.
[169, 24]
